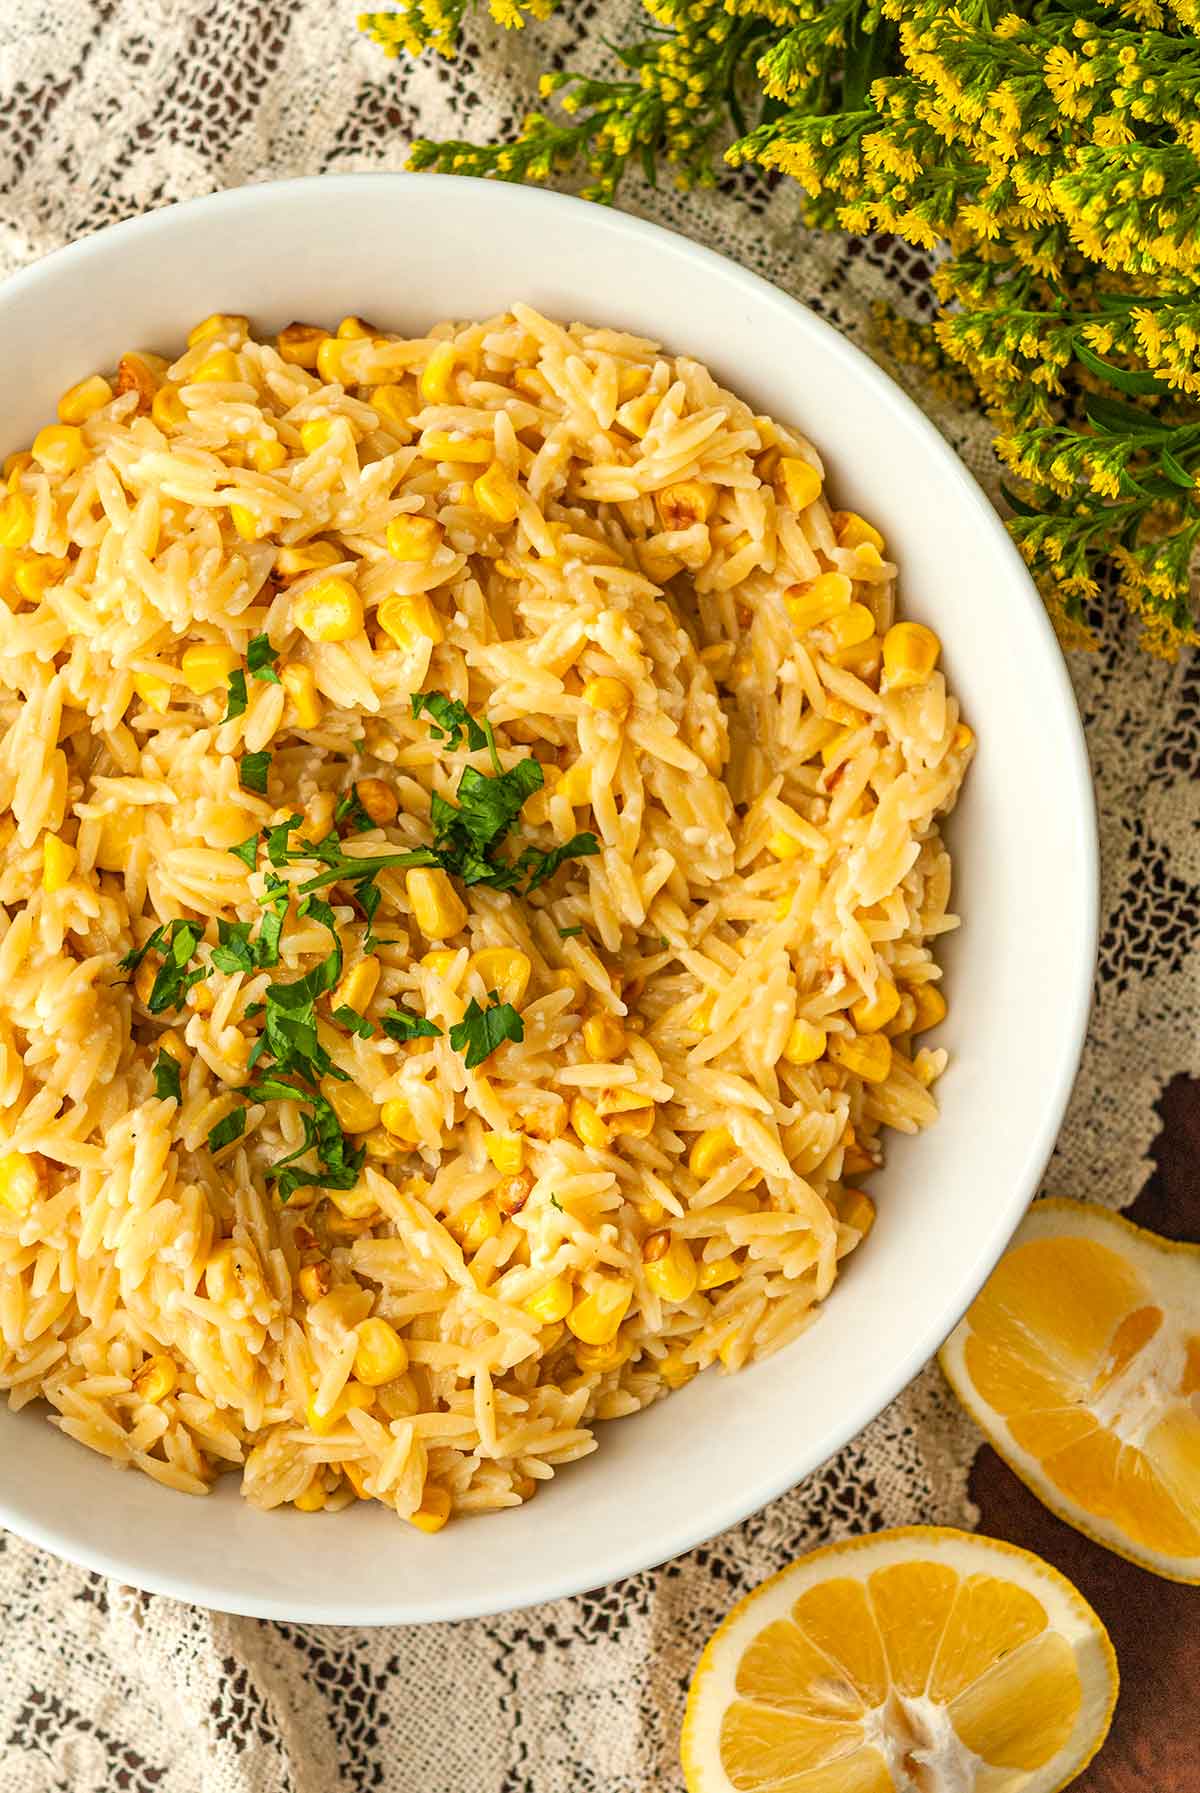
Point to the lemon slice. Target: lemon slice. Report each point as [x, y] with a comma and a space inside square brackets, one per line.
[916, 1661]
[1081, 1362]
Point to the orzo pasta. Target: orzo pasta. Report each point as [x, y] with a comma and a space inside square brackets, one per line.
[354, 1137]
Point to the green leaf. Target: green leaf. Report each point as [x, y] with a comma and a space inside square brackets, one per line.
[402, 1025]
[349, 809]
[260, 658]
[235, 703]
[166, 1077]
[247, 852]
[227, 1130]
[253, 770]
[354, 1022]
[481, 1031]
[580, 846]
[450, 720]
[1134, 381]
[277, 838]
[1117, 419]
[570, 933]
[1175, 471]
[175, 943]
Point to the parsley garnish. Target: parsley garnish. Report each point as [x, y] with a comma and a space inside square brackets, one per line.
[570, 933]
[227, 1130]
[236, 701]
[175, 942]
[338, 1167]
[166, 1077]
[350, 810]
[252, 772]
[555, 1203]
[402, 1025]
[260, 658]
[544, 865]
[354, 1022]
[480, 1031]
[247, 852]
[449, 720]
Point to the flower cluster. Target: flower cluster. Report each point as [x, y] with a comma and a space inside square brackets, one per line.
[1045, 154]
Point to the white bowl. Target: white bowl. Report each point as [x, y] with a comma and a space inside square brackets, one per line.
[407, 250]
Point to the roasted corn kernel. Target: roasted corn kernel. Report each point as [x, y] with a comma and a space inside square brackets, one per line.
[511, 1193]
[852, 531]
[219, 323]
[394, 404]
[266, 454]
[16, 521]
[478, 1223]
[437, 908]
[59, 449]
[673, 1276]
[154, 692]
[674, 1371]
[634, 1123]
[603, 1038]
[58, 862]
[219, 367]
[397, 1117]
[312, 1498]
[301, 687]
[868, 1056]
[591, 1130]
[329, 610]
[552, 1302]
[156, 1379]
[355, 1110]
[410, 619]
[315, 433]
[689, 502]
[872, 1014]
[141, 374]
[610, 695]
[596, 1317]
[455, 445]
[308, 558]
[378, 800]
[83, 400]
[433, 1511]
[910, 653]
[503, 969]
[168, 409]
[358, 985]
[33, 574]
[414, 538]
[381, 1355]
[207, 666]
[716, 1272]
[506, 1151]
[298, 343]
[930, 1007]
[855, 1208]
[599, 1359]
[851, 627]
[435, 382]
[715, 1147]
[19, 1182]
[315, 1280]
[353, 1395]
[247, 522]
[817, 601]
[801, 482]
[497, 495]
[805, 1043]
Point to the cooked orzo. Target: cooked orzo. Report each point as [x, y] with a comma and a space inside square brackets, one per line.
[470, 868]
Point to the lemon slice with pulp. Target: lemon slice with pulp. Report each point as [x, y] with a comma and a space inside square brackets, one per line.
[1080, 1360]
[921, 1660]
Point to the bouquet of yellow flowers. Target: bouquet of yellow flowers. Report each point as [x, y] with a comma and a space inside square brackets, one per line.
[1046, 155]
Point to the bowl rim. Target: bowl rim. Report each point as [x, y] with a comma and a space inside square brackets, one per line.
[694, 1527]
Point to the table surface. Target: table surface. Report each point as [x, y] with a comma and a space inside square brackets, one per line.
[1154, 1624]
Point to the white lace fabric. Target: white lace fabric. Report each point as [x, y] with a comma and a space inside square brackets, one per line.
[113, 107]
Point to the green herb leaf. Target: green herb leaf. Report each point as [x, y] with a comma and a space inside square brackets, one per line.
[277, 841]
[449, 720]
[1175, 471]
[401, 1024]
[1133, 381]
[349, 809]
[235, 703]
[570, 933]
[253, 769]
[260, 658]
[354, 1022]
[481, 1031]
[227, 1130]
[247, 852]
[166, 1077]
[580, 846]
[177, 942]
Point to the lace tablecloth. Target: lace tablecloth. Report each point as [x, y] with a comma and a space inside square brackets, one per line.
[107, 109]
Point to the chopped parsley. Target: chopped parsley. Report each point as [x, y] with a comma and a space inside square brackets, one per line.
[260, 659]
[402, 1025]
[353, 1022]
[247, 852]
[175, 942]
[235, 703]
[480, 1031]
[350, 810]
[227, 1130]
[338, 1165]
[570, 933]
[253, 769]
[449, 720]
[166, 1077]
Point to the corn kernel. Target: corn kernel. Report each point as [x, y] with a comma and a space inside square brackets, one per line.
[504, 970]
[141, 374]
[910, 653]
[801, 482]
[478, 1223]
[440, 962]
[267, 453]
[298, 344]
[855, 1208]
[834, 749]
[603, 1038]
[156, 1379]
[685, 504]
[207, 666]
[454, 445]
[506, 1151]
[301, 687]
[218, 368]
[782, 845]
[817, 601]
[435, 384]
[962, 738]
[410, 619]
[497, 495]
[610, 695]
[315, 433]
[852, 531]
[381, 1355]
[599, 1359]
[358, 985]
[437, 908]
[511, 1193]
[902, 1021]
[856, 1162]
[397, 1117]
[588, 1125]
[868, 1056]
[552, 1302]
[575, 784]
[569, 979]
[674, 1371]
[596, 1317]
[315, 1280]
[329, 610]
[930, 1007]
[650, 1210]
[19, 1182]
[356, 1204]
[16, 521]
[168, 409]
[14, 466]
[58, 862]
[635, 1123]
[356, 1475]
[247, 522]
[673, 1276]
[394, 404]
[353, 329]
[312, 1498]
[714, 1147]
[354, 1395]
[334, 362]
[143, 980]
[717, 1272]
[59, 449]
[220, 323]
[82, 401]
[637, 414]
[433, 1511]
[154, 692]
[532, 382]
[355, 1110]
[414, 538]
[33, 574]
[851, 628]
[308, 558]
[378, 800]
[872, 1014]
[805, 1043]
